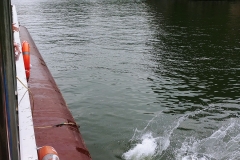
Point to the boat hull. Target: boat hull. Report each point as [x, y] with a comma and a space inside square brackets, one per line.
[54, 125]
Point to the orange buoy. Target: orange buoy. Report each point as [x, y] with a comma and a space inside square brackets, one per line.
[26, 57]
[47, 152]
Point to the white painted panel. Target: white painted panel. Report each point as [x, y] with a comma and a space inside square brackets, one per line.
[28, 148]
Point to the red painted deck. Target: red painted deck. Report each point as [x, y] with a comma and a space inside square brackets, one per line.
[50, 110]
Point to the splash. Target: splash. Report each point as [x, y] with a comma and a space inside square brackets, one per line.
[145, 149]
[157, 141]
[149, 144]
[222, 144]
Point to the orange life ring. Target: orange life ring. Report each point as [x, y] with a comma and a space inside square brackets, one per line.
[26, 57]
[47, 152]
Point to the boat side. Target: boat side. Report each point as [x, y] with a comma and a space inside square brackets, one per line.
[28, 148]
[53, 123]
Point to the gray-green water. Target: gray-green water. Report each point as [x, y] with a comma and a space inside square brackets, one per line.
[145, 79]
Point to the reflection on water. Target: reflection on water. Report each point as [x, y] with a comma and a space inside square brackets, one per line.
[172, 66]
[198, 55]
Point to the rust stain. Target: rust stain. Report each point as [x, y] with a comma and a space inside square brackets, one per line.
[83, 151]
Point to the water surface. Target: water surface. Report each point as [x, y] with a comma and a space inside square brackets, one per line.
[145, 79]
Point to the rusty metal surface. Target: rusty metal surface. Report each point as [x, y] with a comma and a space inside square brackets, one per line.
[50, 110]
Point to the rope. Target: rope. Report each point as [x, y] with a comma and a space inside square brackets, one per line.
[58, 125]
[41, 127]
[30, 93]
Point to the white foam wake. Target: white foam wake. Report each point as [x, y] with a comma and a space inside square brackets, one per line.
[148, 144]
[154, 141]
[145, 149]
[222, 144]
